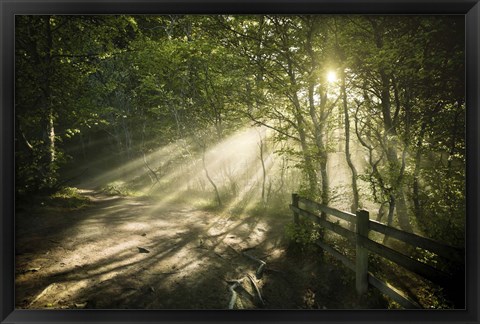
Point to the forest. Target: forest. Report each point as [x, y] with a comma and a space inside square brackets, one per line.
[156, 156]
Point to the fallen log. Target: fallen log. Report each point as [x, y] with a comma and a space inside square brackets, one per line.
[233, 299]
[237, 282]
[259, 271]
[256, 288]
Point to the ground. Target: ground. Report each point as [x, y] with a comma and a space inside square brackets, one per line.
[134, 253]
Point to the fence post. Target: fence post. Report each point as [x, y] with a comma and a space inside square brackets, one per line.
[361, 262]
[295, 204]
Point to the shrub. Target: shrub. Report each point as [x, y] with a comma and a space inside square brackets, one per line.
[304, 234]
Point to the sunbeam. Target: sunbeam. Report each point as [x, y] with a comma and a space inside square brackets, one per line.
[233, 163]
[132, 169]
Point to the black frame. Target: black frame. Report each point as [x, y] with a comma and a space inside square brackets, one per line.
[8, 9]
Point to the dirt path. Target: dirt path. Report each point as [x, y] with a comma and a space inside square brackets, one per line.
[126, 253]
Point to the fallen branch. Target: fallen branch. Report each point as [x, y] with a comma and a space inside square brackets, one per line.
[252, 257]
[262, 265]
[259, 272]
[256, 288]
[236, 283]
[233, 299]
[234, 296]
[232, 281]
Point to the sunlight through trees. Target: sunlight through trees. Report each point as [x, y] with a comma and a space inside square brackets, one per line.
[239, 111]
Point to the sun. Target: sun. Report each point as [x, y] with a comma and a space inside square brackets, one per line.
[331, 77]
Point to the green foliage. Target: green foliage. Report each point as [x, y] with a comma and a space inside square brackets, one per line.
[426, 257]
[443, 205]
[119, 188]
[68, 197]
[54, 57]
[433, 298]
[37, 175]
[303, 235]
[111, 88]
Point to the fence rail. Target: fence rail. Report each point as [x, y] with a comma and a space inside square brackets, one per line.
[363, 245]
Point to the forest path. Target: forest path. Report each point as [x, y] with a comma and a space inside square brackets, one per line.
[125, 252]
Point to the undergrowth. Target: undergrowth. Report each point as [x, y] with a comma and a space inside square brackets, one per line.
[303, 235]
[68, 197]
[120, 188]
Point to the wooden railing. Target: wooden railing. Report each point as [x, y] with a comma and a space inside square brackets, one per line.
[363, 245]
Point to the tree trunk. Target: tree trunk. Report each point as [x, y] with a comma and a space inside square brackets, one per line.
[399, 192]
[391, 136]
[51, 137]
[49, 116]
[319, 142]
[217, 195]
[402, 211]
[391, 211]
[309, 166]
[348, 157]
[318, 121]
[417, 207]
[262, 147]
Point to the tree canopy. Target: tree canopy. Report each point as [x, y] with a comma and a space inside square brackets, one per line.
[382, 97]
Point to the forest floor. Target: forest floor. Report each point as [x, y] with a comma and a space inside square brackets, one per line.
[133, 253]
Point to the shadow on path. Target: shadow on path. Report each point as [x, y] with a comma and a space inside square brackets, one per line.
[133, 253]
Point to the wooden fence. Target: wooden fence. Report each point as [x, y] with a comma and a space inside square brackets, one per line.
[363, 245]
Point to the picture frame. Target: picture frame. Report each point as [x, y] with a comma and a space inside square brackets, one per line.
[10, 8]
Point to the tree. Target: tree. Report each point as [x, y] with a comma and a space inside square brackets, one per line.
[399, 64]
[54, 55]
[287, 57]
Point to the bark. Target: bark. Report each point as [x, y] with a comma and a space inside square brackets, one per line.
[51, 137]
[381, 212]
[319, 142]
[264, 172]
[391, 210]
[347, 148]
[48, 61]
[417, 207]
[48, 120]
[318, 121]
[399, 192]
[309, 165]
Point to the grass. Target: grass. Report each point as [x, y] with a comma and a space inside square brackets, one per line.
[67, 197]
[120, 188]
